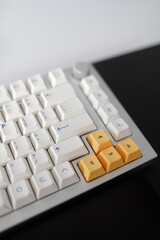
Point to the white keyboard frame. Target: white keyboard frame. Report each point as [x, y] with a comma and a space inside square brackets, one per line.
[55, 199]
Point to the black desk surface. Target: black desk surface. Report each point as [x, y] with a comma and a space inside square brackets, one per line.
[128, 207]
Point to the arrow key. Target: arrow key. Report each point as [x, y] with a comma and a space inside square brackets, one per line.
[64, 174]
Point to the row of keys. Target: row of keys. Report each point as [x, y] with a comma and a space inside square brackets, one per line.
[108, 157]
[34, 85]
[108, 113]
[68, 149]
[41, 184]
[58, 98]
[78, 125]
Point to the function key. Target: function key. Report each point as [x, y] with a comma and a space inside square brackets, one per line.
[47, 117]
[4, 95]
[89, 84]
[57, 77]
[64, 174]
[31, 104]
[18, 90]
[129, 150]
[12, 111]
[107, 113]
[91, 168]
[110, 159]
[97, 98]
[99, 141]
[69, 108]
[119, 129]
[36, 84]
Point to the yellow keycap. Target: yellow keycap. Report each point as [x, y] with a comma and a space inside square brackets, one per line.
[128, 150]
[91, 167]
[110, 159]
[99, 141]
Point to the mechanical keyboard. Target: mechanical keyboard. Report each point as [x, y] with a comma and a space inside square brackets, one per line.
[61, 135]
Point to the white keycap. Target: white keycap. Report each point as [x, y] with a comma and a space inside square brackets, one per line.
[21, 147]
[107, 113]
[5, 206]
[47, 117]
[43, 184]
[18, 169]
[28, 124]
[41, 139]
[67, 150]
[21, 194]
[12, 111]
[57, 77]
[30, 104]
[89, 84]
[18, 90]
[39, 161]
[1, 118]
[5, 154]
[64, 174]
[4, 95]
[97, 98]
[51, 97]
[119, 129]
[9, 131]
[78, 125]
[69, 108]
[4, 182]
[36, 84]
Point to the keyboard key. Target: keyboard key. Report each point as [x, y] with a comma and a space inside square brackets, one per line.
[39, 161]
[78, 125]
[91, 168]
[6, 155]
[1, 118]
[12, 111]
[47, 117]
[21, 147]
[28, 124]
[67, 150]
[99, 141]
[89, 84]
[128, 150]
[4, 182]
[64, 174]
[43, 184]
[107, 113]
[36, 84]
[31, 104]
[97, 98]
[57, 77]
[52, 97]
[4, 95]
[41, 139]
[119, 129]
[18, 169]
[5, 206]
[18, 90]
[69, 108]
[9, 131]
[21, 193]
[110, 159]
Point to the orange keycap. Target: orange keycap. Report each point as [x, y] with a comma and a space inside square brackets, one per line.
[128, 150]
[110, 159]
[91, 168]
[99, 141]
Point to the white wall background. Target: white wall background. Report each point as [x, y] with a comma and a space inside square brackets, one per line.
[38, 35]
